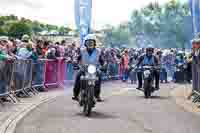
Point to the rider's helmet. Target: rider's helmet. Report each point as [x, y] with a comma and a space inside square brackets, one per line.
[90, 39]
[149, 50]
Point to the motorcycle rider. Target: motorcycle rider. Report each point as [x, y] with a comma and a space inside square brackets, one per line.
[88, 55]
[148, 59]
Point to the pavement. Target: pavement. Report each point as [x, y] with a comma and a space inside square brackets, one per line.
[10, 113]
[124, 110]
[181, 95]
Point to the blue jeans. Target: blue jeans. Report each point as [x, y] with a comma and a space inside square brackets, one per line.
[125, 75]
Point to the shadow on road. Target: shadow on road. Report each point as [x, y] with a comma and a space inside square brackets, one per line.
[99, 115]
[156, 97]
[160, 97]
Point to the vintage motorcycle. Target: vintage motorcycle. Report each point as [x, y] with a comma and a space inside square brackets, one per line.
[148, 76]
[88, 83]
[180, 70]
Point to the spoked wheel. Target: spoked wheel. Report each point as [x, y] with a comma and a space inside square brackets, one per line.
[88, 104]
[87, 109]
[147, 94]
[147, 89]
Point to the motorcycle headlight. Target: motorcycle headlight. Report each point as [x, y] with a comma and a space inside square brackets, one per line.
[147, 73]
[133, 66]
[91, 69]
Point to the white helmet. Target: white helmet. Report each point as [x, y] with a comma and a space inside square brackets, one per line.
[150, 46]
[89, 37]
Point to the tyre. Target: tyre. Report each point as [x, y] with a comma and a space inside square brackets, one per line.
[147, 90]
[131, 81]
[87, 109]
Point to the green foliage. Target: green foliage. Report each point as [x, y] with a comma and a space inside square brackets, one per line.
[13, 26]
[117, 36]
[2, 31]
[163, 26]
[64, 30]
[19, 29]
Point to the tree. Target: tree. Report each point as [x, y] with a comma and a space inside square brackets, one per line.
[18, 29]
[36, 27]
[117, 36]
[2, 32]
[163, 26]
[64, 30]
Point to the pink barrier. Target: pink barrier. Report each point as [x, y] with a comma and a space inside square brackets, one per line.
[55, 73]
[51, 74]
[61, 73]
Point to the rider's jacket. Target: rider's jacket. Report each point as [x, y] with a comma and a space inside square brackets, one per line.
[148, 61]
[87, 58]
[145, 60]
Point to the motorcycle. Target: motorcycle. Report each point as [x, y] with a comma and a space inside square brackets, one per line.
[148, 79]
[180, 72]
[181, 67]
[88, 82]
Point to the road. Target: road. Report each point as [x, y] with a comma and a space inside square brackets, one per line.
[124, 111]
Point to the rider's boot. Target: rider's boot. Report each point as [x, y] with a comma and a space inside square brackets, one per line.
[157, 88]
[99, 99]
[139, 88]
[75, 98]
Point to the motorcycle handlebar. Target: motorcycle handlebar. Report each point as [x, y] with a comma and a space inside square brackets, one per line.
[149, 68]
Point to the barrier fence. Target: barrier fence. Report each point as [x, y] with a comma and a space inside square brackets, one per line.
[24, 76]
[196, 79]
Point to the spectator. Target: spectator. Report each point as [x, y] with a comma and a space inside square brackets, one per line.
[125, 65]
[45, 47]
[39, 45]
[51, 53]
[3, 49]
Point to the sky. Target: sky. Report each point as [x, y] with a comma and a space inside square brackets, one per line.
[61, 12]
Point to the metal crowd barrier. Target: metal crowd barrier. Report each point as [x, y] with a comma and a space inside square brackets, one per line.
[24, 76]
[51, 73]
[38, 77]
[6, 73]
[196, 77]
[113, 71]
[58, 73]
[69, 72]
[196, 80]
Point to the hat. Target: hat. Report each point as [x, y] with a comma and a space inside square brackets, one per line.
[25, 37]
[4, 38]
[89, 37]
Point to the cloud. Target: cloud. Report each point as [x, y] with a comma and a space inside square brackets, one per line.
[28, 3]
[61, 12]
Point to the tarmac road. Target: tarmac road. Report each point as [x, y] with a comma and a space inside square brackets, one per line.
[124, 111]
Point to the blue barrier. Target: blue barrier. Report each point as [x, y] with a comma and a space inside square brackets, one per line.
[38, 73]
[68, 72]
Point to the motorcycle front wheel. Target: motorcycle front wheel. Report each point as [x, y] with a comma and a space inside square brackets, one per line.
[87, 108]
[147, 90]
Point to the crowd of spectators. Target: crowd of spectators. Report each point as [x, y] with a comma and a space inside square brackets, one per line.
[115, 61]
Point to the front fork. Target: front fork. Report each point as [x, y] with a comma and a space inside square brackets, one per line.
[87, 92]
[150, 80]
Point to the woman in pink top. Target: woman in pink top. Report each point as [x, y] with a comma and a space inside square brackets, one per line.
[125, 66]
